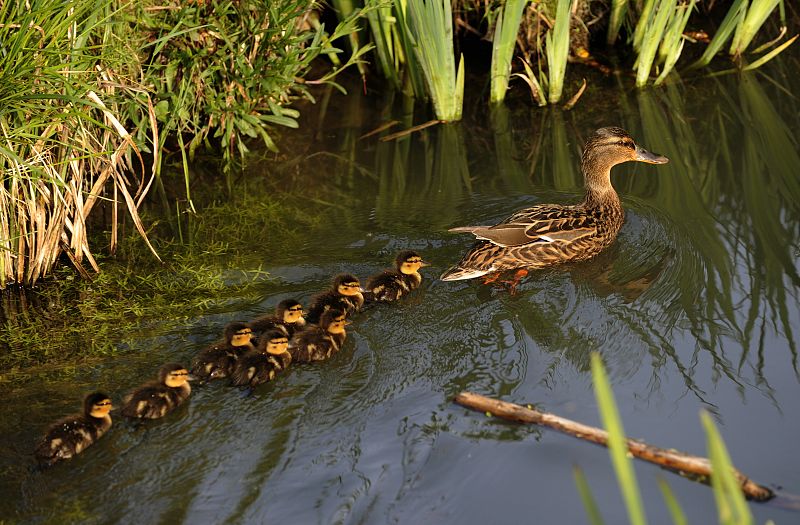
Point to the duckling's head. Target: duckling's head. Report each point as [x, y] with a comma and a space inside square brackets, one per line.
[409, 261]
[274, 342]
[173, 375]
[97, 404]
[238, 333]
[608, 147]
[347, 284]
[334, 321]
[290, 311]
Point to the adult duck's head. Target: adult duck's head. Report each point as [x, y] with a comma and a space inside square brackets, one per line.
[608, 147]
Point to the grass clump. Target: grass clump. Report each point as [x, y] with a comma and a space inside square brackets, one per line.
[94, 94]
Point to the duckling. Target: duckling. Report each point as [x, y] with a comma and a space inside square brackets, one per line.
[319, 342]
[390, 285]
[71, 435]
[548, 234]
[218, 360]
[261, 365]
[157, 398]
[288, 317]
[345, 295]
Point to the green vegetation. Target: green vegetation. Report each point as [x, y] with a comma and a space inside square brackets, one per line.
[430, 30]
[96, 93]
[503, 44]
[146, 82]
[730, 500]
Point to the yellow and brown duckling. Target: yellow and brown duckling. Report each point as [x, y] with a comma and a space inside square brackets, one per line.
[288, 317]
[265, 362]
[71, 435]
[391, 285]
[548, 234]
[218, 360]
[345, 295]
[319, 342]
[157, 398]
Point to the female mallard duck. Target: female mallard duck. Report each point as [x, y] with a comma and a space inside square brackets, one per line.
[157, 398]
[288, 317]
[262, 364]
[219, 359]
[71, 435]
[319, 342]
[391, 285]
[345, 295]
[548, 234]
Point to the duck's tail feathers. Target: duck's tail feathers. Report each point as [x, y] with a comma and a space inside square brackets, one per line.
[457, 273]
[466, 229]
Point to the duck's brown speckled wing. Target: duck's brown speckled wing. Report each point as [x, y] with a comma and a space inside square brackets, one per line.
[533, 237]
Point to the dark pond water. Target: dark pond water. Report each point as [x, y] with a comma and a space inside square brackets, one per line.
[694, 308]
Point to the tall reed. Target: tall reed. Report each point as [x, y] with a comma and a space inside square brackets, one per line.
[430, 31]
[506, 28]
[63, 145]
[557, 47]
[729, 497]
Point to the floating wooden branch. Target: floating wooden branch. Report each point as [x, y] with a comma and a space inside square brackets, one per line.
[684, 464]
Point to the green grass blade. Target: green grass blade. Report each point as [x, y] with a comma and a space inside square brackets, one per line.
[557, 44]
[674, 508]
[503, 43]
[618, 10]
[617, 446]
[731, 505]
[724, 32]
[651, 41]
[641, 26]
[769, 56]
[431, 32]
[757, 14]
[592, 512]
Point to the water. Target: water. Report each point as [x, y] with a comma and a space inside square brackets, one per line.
[694, 308]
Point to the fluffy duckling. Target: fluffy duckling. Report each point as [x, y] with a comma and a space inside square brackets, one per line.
[391, 285]
[345, 295]
[157, 398]
[261, 365]
[71, 435]
[219, 359]
[288, 317]
[319, 342]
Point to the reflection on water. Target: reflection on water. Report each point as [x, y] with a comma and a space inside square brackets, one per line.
[695, 306]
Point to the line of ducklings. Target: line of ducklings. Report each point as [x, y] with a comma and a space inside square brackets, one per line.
[250, 354]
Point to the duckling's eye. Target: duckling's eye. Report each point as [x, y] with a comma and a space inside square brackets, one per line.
[103, 403]
[296, 309]
[177, 374]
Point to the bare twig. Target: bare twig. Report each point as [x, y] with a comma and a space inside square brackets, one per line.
[668, 459]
